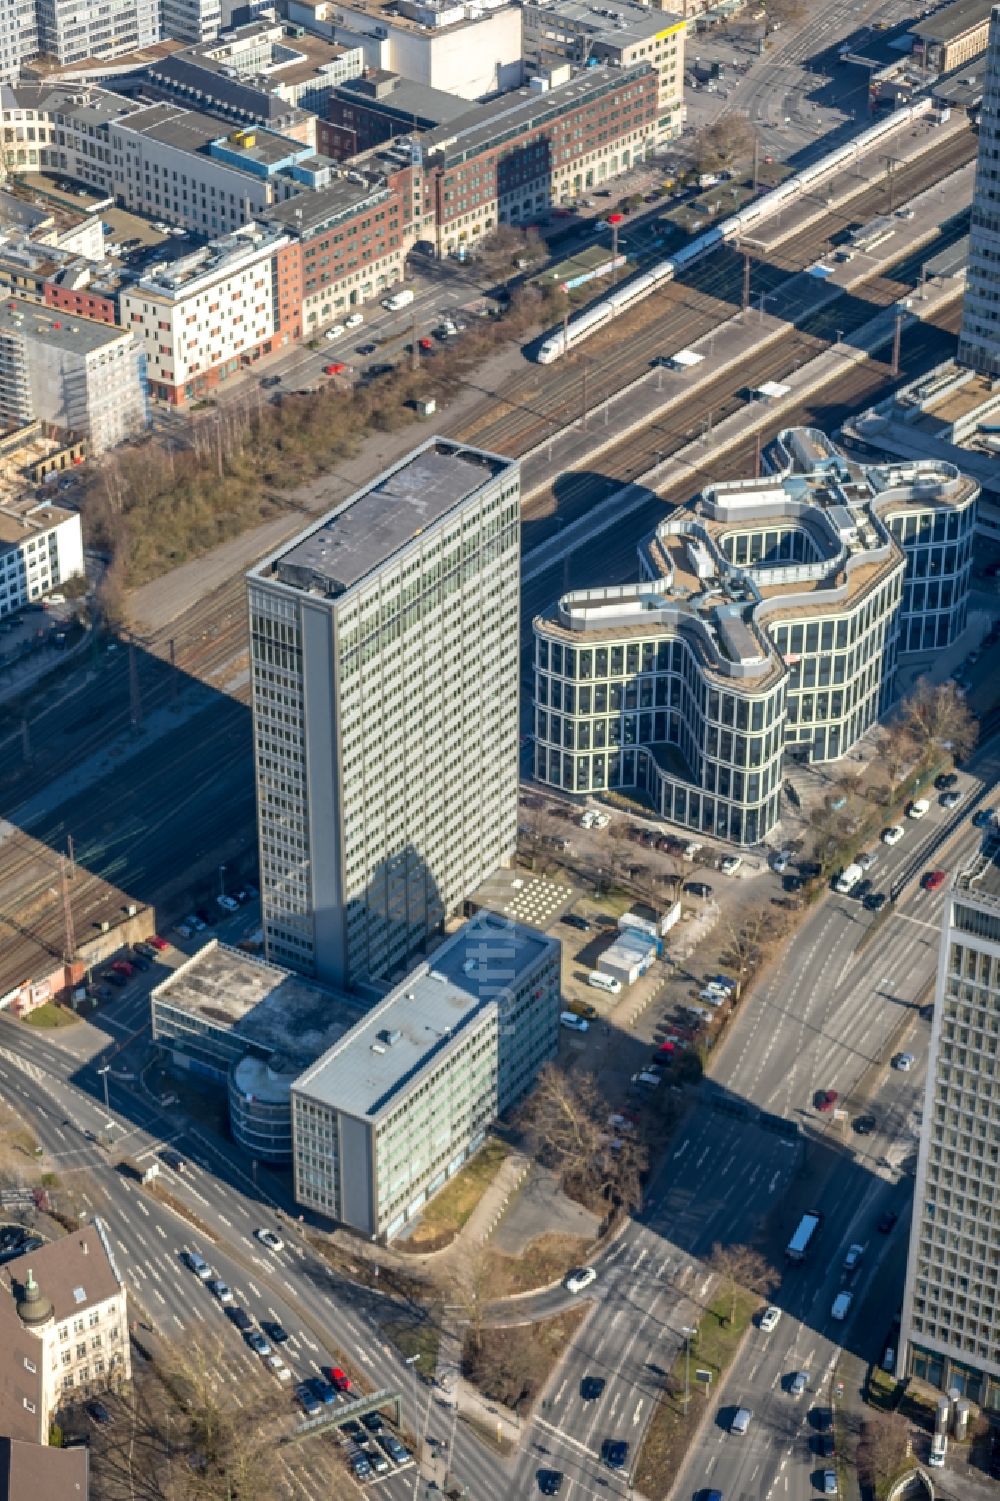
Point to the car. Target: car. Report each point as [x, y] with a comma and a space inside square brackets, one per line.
[721, 982]
[741, 1420]
[276, 1333]
[373, 1421]
[113, 978]
[550, 1482]
[354, 321]
[257, 1342]
[122, 967]
[321, 1390]
[983, 818]
[580, 1278]
[337, 368]
[144, 949]
[888, 1222]
[853, 1258]
[335, 331]
[770, 1319]
[919, 808]
[933, 880]
[337, 1378]
[572, 921]
[270, 381]
[893, 834]
[864, 1125]
[946, 781]
[271, 1239]
[352, 1428]
[197, 1264]
[139, 962]
[239, 1317]
[781, 861]
[366, 349]
[712, 997]
[731, 864]
[375, 371]
[862, 890]
[664, 1052]
[950, 799]
[903, 1062]
[825, 1446]
[360, 1465]
[173, 1160]
[396, 1451]
[228, 903]
[98, 1413]
[798, 1383]
[614, 1452]
[277, 1367]
[195, 922]
[219, 1290]
[158, 943]
[698, 888]
[592, 1387]
[825, 1099]
[875, 901]
[425, 344]
[376, 1459]
[600, 224]
[829, 1482]
[841, 1305]
[867, 860]
[889, 1359]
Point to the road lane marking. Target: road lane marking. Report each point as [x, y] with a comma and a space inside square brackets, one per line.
[638, 1412]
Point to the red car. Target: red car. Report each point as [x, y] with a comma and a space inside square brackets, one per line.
[426, 343]
[337, 369]
[934, 879]
[157, 942]
[664, 1052]
[337, 1378]
[121, 968]
[826, 1099]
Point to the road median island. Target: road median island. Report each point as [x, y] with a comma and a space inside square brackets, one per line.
[510, 1364]
[676, 1422]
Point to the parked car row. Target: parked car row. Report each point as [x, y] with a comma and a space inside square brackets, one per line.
[372, 1447]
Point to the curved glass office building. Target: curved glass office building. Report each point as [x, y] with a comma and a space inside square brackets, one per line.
[765, 621]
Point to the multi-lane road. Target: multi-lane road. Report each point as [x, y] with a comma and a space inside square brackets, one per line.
[828, 1017]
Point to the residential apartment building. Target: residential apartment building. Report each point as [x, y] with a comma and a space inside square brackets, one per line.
[765, 624]
[41, 547]
[950, 1333]
[394, 1109]
[201, 319]
[77, 374]
[384, 666]
[70, 1305]
[509, 160]
[464, 48]
[581, 33]
[979, 340]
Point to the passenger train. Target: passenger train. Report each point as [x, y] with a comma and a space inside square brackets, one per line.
[591, 319]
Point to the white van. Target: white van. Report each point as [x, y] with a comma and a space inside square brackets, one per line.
[397, 300]
[601, 981]
[573, 1022]
[741, 1421]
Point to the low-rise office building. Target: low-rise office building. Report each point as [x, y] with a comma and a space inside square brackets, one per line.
[374, 108]
[461, 46]
[75, 373]
[581, 33]
[509, 160]
[394, 1109]
[952, 35]
[766, 624]
[251, 1028]
[41, 547]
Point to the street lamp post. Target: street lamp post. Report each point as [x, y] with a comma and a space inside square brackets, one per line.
[688, 1336]
[222, 880]
[104, 1078]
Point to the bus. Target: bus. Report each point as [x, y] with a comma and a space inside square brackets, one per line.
[804, 1235]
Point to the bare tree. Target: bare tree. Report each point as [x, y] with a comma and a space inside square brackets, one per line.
[882, 1448]
[783, 12]
[740, 1267]
[565, 1120]
[937, 716]
[897, 751]
[724, 143]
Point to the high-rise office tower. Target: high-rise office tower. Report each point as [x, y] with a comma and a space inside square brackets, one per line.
[951, 1310]
[384, 658]
[979, 340]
